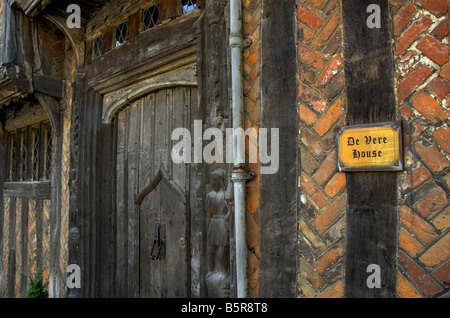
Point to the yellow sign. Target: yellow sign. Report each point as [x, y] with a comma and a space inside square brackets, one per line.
[373, 147]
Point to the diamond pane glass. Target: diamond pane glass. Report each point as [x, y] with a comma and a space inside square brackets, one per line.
[98, 46]
[48, 153]
[23, 150]
[36, 142]
[150, 17]
[188, 6]
[120, 35]
[12, 157]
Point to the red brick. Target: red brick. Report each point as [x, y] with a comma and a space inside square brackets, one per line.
[408, 242]
[329, 258]
[435, 50]
[310, 275]
[333, 68]
[422, 280]
[442, 221]
[330, 214]
[313, 144]
[417, 177]
[412, 80]
[307, 74]
[437, 253]
[438, 7]
[317, 3]
[405, 289]
[327, 168]
[415, 224]
[335, 291]
[307, 184]
[442, 136]
[445, 72]
[441, 31]
[307, 115]
[305, 33]
[411, 34]
[310, 18]
[432, 157]
[329, 6]
[433, 202]
[311, 97]
[403, 17]
[407, 61]
[439, 86]
[253, 238]
[327, 30]
[311, 58]
[419, 126]
[405, 112]
[320, 199]
[428, 107]
[443, 273]
[336, 184]
[330, 118]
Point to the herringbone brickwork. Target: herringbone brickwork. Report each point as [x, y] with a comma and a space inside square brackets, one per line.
[252, 11]
[423, 87]
[321, 107]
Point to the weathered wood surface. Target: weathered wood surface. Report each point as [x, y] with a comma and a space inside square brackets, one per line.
[372, 196]
[143, 156]
[39, 190]
[135, 56]
[48, 85]
[278, 191]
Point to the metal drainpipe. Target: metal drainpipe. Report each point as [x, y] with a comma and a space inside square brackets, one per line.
[239, 174]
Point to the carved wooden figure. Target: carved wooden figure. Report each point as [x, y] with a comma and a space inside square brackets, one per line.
[218, 239]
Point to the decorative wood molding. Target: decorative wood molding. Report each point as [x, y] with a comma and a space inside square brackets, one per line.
[114, 102]
[51, 106]
[160, 176]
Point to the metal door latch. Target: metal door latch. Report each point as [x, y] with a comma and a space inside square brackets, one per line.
[158, 248]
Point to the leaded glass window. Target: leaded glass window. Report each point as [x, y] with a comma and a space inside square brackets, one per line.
[188, 6]
[30, 153]
[120, 34]
[98, 46]
[150, 17]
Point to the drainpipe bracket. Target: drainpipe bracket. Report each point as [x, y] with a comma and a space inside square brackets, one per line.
[240, 174]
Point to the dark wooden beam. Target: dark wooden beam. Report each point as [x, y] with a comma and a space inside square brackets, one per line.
[39, 190]
[278, 191]
[372, 196]
[48, 85]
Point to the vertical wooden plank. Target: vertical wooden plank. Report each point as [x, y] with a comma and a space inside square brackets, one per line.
[132, 155]
[150, 278]
[5, 247]
[169, 9]
[10, 274]
[24, 245]
[18, 243]
[278, 203]
[3, 178]
[122, 205]
[145, 161]
[173, 265]
[160, 128]
[181, 106]
[372, 196]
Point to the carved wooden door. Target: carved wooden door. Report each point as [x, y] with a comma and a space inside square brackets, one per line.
[151, 195]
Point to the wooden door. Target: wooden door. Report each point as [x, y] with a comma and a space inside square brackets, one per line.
[151, 193]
